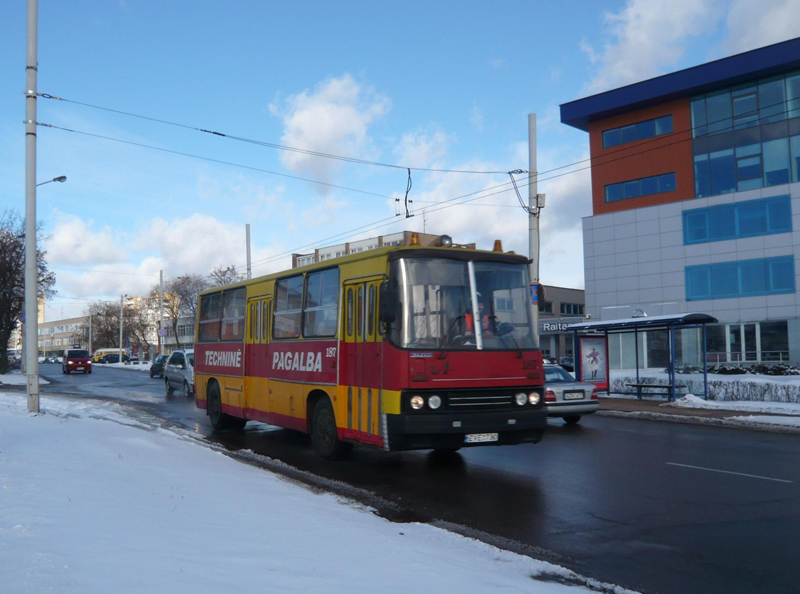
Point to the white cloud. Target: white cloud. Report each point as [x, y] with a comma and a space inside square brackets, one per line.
[649, 36]
[73, 241]
[196, 244]
[333, 119]
[421, 149]
[756, 23]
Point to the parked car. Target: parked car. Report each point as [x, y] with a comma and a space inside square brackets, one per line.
[568, 363]
[179, 372]
[76, 360]
[112, 358]
[566, 398]
[157, 366]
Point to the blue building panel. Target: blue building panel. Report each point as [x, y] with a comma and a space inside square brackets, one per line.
[761, 62]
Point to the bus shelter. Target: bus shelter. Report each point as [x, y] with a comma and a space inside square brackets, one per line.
[665, 354]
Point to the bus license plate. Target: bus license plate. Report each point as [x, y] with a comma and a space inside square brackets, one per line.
[573, 396]
[481, 437]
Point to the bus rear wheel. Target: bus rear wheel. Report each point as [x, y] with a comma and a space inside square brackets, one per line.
[324, 434]
[219, 420]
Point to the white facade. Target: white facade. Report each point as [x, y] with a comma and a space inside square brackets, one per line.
[637, 259]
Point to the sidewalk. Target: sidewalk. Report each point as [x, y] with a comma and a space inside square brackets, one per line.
[659, 409]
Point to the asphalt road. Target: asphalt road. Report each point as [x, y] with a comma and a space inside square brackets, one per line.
[655, 507]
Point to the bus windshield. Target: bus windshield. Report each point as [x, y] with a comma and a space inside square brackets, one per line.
[457, 304]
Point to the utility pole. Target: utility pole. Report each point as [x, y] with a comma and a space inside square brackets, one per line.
[160, 310]
[121, 297]
[533, 220]
[249, 269]
[31, 276]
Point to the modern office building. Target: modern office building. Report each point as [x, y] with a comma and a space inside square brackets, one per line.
[696, 200]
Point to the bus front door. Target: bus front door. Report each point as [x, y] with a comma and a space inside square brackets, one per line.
[360, 364]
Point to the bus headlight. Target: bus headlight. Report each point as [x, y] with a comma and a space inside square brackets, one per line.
[417, 402]
[434, 402]
[534, 398]
[521, 398]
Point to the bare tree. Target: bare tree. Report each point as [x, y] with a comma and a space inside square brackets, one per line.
[12, 278]
[225, 276]
[105, 324]
[139, 328]
[182, 300]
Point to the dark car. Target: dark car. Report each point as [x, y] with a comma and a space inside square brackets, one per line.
[112, 358]
[568, 363]
[157, 367]
[76, 360]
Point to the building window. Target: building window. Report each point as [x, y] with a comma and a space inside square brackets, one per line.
[746, 278]
[747, 137]
[637, 131]
[571, 309]
[546, 307]
[735, 221]
[646, 186]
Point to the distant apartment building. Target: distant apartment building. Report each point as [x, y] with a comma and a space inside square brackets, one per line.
[57, 336]
[696, 200]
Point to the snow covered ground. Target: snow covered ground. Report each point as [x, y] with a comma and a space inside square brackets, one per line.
[94, 502]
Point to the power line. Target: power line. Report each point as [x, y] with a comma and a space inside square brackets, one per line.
[264, 143]
[219, 161]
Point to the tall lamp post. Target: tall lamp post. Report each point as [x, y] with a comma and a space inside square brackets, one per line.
[31, 330]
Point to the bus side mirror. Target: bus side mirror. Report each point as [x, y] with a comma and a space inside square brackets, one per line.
[388, 305]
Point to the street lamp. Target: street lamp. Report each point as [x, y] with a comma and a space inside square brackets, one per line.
[30, 325]
[60, 178]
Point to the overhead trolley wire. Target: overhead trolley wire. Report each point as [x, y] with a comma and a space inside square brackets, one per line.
[280, 147]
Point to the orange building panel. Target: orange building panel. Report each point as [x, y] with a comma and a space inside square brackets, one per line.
[669, 153]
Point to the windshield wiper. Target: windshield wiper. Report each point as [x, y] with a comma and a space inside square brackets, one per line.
[460, 316]
[496, 328]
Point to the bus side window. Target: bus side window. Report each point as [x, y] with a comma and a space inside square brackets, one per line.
[349, 312]
[253, 320]
[360, 327]
[265, 320]
[371, 313]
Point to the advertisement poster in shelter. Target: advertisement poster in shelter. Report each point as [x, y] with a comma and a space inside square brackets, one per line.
[594, 361]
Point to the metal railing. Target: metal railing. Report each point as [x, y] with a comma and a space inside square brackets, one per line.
[746, 358]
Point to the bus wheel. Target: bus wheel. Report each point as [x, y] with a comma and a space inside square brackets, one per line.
[215, 408]
[324, 435]
[219, 420]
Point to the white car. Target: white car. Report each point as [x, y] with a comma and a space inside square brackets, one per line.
[179, 372]
[566, 398]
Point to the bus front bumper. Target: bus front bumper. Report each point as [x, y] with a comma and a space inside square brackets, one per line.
[451, 430]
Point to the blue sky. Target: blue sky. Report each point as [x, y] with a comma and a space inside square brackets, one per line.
[429, 85]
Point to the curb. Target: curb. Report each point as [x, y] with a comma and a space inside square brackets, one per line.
[731, 422]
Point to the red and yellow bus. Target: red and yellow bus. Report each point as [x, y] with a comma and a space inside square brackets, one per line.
[378, 348]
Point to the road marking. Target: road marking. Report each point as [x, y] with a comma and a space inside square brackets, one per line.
[765, 478]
